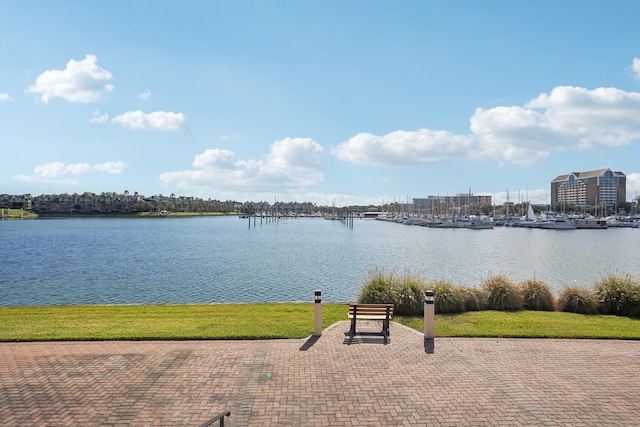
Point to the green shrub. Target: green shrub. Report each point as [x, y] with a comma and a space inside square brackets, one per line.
[502, 293]
[409, 296]
[448, 298]
[619, 295]
[577, 299]
[537, 296]
[405, 293]
[378, 289]
[474, 298]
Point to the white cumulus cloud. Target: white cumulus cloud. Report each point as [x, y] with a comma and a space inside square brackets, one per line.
[54, 169]
[81, 81]
[633, 186]
[635, 68]
[568, 118]
[291, 164]
[113, 168]
[215, 158]
[50, 170]
[402, 148]
[60, 172]
[158, 120]
[4, 97]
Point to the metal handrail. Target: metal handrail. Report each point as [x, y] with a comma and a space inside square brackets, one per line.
[219, 417]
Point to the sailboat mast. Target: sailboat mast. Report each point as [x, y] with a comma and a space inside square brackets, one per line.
[507, 188]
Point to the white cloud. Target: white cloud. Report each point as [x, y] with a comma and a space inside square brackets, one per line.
[54, 169]
[99, 118]
[145, 95]
[291, 164]
[569, 118]
[401, 148]
[113, 168]
[39, 179]
[81, 81]
[633, 186]
[158, 120]
[294, 154]
[50, 170]
[4, 97]
[59, 172]
[635, 68]
[512, 134]
[215, 158]
[77, 169]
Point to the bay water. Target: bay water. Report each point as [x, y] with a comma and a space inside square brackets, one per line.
[227, 259]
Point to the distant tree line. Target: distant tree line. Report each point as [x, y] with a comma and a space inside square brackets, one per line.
[131, 203]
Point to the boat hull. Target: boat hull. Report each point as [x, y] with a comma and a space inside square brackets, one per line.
[591, 224]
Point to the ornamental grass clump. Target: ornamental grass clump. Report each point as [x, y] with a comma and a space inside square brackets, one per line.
[405, 293]
[379, 288]
[448, 298]
[409, 296]
[537, 296]
[502, 293]
[619, 295]
[474, 298]
[577, 299]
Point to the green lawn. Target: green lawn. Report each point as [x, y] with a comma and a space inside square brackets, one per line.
[17, 214]
[141, 322]
[530, 324]
[287, 320]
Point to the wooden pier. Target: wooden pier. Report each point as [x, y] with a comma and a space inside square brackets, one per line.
[267, 218]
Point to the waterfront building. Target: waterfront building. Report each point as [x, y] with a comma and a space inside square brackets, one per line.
[591, 188]
[433, 204]
[13, 201]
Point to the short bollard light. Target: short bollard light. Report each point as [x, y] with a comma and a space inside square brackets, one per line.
[429, 297]
[429, 314]
[317, 314]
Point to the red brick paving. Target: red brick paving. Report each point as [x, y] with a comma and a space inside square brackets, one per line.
[328, 381]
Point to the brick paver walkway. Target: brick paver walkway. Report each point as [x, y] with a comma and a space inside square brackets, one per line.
[322, 382]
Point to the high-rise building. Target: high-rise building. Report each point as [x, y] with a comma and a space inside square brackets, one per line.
[598, 187]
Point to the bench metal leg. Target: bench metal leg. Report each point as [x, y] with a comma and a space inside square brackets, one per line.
[385, 329]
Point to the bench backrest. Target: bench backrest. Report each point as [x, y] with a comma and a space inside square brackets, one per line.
[365, 310]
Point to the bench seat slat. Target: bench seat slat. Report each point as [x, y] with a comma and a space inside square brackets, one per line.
[371, 317]
[371, 313]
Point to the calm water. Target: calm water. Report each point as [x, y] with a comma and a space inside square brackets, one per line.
[222, 259]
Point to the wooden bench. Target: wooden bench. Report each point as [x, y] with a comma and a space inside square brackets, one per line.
[382, 312]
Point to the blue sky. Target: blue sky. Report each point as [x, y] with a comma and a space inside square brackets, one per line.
[345, 102]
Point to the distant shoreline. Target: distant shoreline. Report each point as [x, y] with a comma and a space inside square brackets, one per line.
[51, 215]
